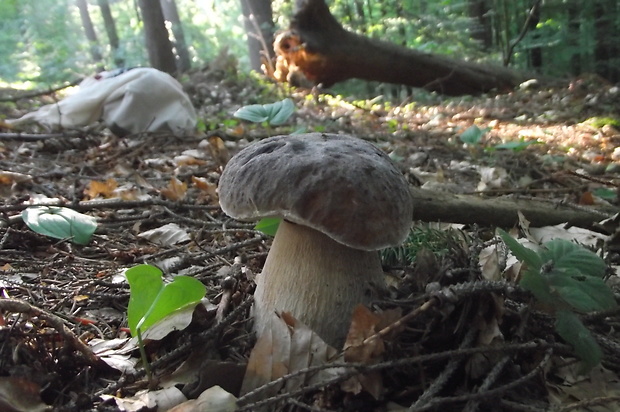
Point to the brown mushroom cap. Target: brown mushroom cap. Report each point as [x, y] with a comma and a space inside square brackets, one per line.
[339, 185]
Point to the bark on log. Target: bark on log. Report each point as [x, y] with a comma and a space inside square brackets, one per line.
[318, 46]
[432, 206]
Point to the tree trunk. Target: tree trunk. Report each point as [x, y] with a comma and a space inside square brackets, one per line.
[482, 30]
[326, 53]
[171, 14]
[110, 28]
[158, 44]
[258, 23]
[89, 30]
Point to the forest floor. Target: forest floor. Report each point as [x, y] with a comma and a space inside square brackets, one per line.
[472, 341]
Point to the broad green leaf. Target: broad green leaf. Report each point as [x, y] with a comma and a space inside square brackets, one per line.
[274, 113]
[532, 281]
[60, 223]
[606, 193]
[268, 225]
[583, 293]
[527, 256]
[569, 255]
[570, 328]
[473, 134]
[151, 300]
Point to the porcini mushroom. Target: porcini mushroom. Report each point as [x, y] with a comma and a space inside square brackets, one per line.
[341, 200]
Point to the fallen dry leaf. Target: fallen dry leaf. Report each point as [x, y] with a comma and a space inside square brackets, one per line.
[98, 188]
[286, 345]
[175, 190]
[214, 399]
[20, 395]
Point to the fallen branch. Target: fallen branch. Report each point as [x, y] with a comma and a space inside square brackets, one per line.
[19, 306]
[433, 206]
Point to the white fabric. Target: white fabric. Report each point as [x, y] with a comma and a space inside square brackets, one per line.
[138, 100]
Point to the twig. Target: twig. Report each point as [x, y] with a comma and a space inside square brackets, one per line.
[37, 93]
[603, 400]
[355, 368]
[110, 203]
[492, 393]
[443, 377]
[19, 306]
[31, 137]
[472, 405]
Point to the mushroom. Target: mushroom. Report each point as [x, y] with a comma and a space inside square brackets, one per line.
[341, 200]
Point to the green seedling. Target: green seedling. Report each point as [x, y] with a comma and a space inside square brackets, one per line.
[273, 114]
[567, 279]
[515, 146]
[268, 225]
[473, 135]
[151, 300]
[60, 223]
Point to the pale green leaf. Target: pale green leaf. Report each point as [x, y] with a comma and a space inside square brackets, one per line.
[60, 223]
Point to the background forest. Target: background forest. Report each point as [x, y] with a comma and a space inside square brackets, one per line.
[45, 41]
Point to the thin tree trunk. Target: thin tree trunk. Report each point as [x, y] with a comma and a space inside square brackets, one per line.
[171, 14]
[110, 28]
[158, 44]
[89, 31]
[258, 23]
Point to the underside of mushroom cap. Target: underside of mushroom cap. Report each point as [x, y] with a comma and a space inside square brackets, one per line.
[340, 185]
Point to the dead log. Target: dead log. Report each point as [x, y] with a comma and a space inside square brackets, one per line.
[320, 48]
[433, 206]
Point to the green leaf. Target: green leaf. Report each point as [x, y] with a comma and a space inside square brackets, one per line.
[606, 193]
[570, 328]
[274, 113]
[151, 300]
[473, 134]
[268, 225]
[60, 223]
[528, 256]
[583, 293]
[516, 145]
[532, 280]
[569, 255]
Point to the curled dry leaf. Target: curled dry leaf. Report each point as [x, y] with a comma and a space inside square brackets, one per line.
[175, 190]
[97, 188]
[214, 399]
[285, 346]
[365, 344]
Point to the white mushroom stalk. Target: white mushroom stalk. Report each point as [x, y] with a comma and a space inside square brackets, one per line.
[317, 279]
[342, 199]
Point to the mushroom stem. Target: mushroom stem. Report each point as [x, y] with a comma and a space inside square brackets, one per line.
[318, 280]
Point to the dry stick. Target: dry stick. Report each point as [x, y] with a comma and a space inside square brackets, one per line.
[443, 377]
[492, 393]
[472, 405]
[37, 93]
[603, 400]
[110, 203]
[32, 137]
[19, 306]
[356, 368]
